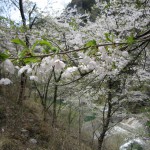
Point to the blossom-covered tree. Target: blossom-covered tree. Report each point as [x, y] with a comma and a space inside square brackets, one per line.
[94, 62]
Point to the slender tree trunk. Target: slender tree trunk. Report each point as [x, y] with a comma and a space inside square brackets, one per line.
[69, 118]
[22, 88]
[79, 123]
[55, 98]
[54, 106]
[44, 114]
[108, 117]
[23, 75]
[0, 78]
[44, 97]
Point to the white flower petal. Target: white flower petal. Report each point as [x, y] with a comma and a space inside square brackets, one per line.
[23, 69]
[8, 66]
[59, 65]
[29, 70]
[125, 54]
[5, 81]
[34, 78]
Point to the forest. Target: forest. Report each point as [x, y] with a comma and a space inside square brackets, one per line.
[79, 80]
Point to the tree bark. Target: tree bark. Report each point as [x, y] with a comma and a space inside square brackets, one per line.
[23, 75]
[54, 106]
[108, 117]
[22, 88]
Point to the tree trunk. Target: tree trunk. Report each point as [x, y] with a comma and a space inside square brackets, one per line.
[44, 114]
[23, 75]
[22, 88]
[108, 117]
[54, 106]
[79, 123]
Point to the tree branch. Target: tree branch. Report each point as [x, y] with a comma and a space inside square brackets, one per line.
[22, 13]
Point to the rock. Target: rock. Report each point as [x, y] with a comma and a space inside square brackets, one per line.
[135, 144]
[24, 130]
[24, 133]
[33, 141]
[2, 130]
[127, 129]
[136, 101]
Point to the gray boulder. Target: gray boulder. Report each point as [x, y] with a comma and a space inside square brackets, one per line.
[135, 144]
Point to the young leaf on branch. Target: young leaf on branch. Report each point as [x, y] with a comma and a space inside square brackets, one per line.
[3, 56]
[130, 40]
[19, 42]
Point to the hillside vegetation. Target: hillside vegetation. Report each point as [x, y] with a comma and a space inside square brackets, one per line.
[79, 81]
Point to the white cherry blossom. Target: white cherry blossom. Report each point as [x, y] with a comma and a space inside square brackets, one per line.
[59, 65]
[23, 69]
[8, 66]
[5, 81]
[34, 78]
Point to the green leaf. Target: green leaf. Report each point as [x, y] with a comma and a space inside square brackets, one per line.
[90, 43]
[23, 53]
[19, 42]
[107, 36]
[55, 49]
[45, 43]
[93, 47]
[3, 56]
[31, 60]
[46, 50]
[130, 40]
[107, 49]
[34, 45]
[93, 51]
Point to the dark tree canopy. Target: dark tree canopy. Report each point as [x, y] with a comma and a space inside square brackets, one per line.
[83, 4]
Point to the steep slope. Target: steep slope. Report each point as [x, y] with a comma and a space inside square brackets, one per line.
[21, 128]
